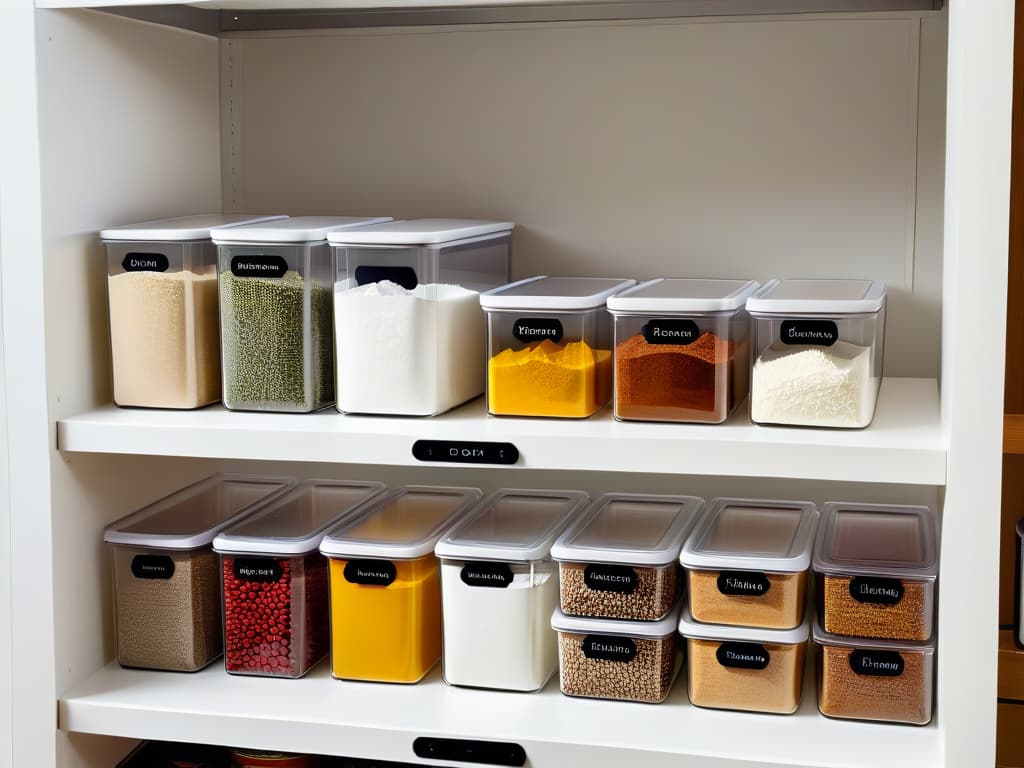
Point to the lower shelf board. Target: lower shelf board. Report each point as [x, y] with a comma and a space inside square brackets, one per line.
[320, 715]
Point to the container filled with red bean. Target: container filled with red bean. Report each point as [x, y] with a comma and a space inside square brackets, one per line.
[274, 579]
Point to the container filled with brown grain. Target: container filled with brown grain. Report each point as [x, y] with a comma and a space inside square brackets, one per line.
[620, 559]
[876, 567]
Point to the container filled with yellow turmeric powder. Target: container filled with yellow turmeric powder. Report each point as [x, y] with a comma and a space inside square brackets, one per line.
[549, 346]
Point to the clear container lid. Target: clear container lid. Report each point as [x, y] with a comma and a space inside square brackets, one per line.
[821, 637]
[294, 524]
[512, 526]
[631, 529]
[818, 297]
[421, 232]
[554, 293]
[403, 524]
[723, 632]
[753, 535]
[656, 630]
[184, 227]
[877, 540]
[192, 517]
[298, 229]
[683, 296]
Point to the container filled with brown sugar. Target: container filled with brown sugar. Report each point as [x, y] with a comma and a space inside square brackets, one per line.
[682, 349]
[620, 559]
[876, 568]
[747, 562]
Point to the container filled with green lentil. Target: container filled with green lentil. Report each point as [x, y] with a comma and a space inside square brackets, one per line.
[276, 282]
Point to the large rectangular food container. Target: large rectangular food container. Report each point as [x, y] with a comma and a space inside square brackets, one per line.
[276, 312]
[274, 579]
[744, 668]
[747, 562]
[682, 349]
[620, 559]
[162, 303]
[818, 347]
[549, 346]
[876, 567]
[408, 325]
[166, 588]
[385, 586]
[499, 588]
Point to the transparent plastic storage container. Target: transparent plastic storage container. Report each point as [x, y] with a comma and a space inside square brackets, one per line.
[162, 303]
[166, 585]
[744, 668]
[499, 587]
[277, 313]
[876, 568]
[818, 348]
[747, 563]
[408, 325]
[624, 660]
[682, 349]
[274, 579]
[385, 584]
[549, 346]
[620, 559]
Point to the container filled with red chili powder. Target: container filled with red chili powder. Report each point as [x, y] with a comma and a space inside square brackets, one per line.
[682, 349]
[274, 579]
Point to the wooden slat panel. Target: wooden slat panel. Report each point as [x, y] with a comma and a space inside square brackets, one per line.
[1010, 736]
[1014, 398]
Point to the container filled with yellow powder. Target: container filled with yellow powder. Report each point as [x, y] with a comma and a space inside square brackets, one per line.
[549, 346]
[385, 584]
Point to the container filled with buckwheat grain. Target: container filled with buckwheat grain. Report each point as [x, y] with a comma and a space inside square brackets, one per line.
[682, 349]
[747, 562]
[274, 579]
[876, 568]
[166, 582]
[620, 559]
[276, 282]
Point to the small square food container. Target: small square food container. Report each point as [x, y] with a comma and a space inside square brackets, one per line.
[274, 579]
[876, 567]
[611, 659]
[682, 349]
[620, 559]
[166, 589]
[276, 312]
[162, 302]
[744, 668]
[385, 584]
[885, 680]
[747, 562]
[549, 346]
[499, 587]
[818, 348]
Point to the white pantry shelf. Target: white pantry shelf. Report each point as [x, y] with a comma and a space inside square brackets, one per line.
[904, 444]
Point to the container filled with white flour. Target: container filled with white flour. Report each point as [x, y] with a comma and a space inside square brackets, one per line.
[499, 588]
[819, 347]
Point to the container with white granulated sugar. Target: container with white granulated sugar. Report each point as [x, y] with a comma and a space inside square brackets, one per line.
[818, 352]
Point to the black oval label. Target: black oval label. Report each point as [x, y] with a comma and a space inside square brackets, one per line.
[877, 663]
[258, 266]
[746, 583]
[670, 331]
[145, 262]
[868, 589]
[486, 575]
[403, 276]
[378, 573]
[743, 655]
[257, 569]
[528, 329]
[152, 567]
[821, 333]
[609, 648]
[610, 578]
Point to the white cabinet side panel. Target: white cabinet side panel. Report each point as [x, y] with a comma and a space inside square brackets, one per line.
[6, 617]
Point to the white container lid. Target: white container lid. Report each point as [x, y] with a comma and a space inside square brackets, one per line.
[421, 232]
[403, 524]
[192, 517]
[684, 296]
[821, 637]
[184, 227]
[664, 627]
[298, 229]
[543, 293]
[694, 629]
[753, 535]
[818, 297]
[512, 526]
[294, 523]
[631, 529]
